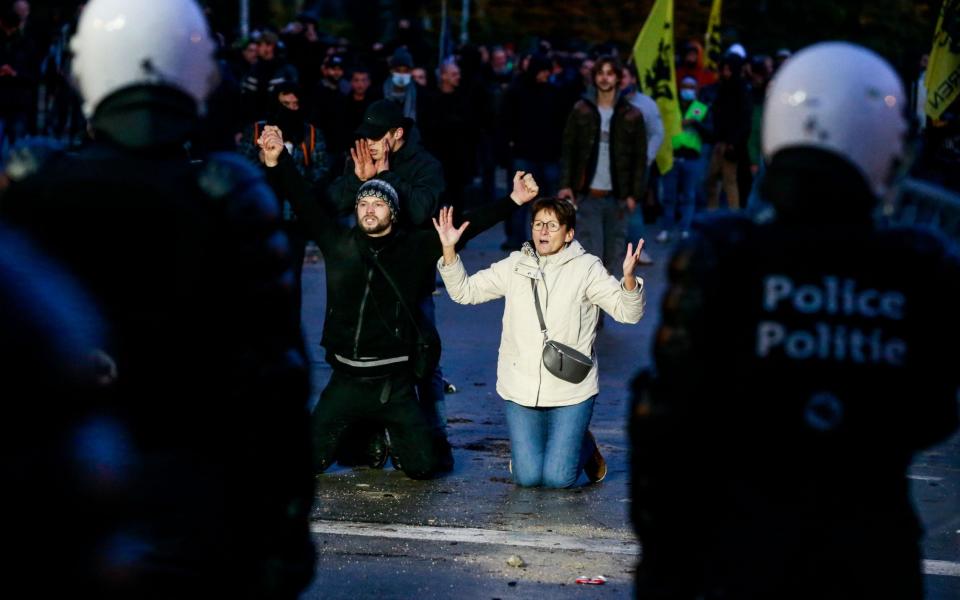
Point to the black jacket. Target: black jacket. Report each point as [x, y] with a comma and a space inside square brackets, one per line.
[414, 173]
[800, 364]
[732, 112]
[190, 270]
[534, 115]
[364, 317]
[581, 147]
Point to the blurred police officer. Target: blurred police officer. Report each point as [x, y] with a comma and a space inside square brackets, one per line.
[800, 363]
[200, 445]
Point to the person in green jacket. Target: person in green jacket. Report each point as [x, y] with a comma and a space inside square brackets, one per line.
[680, 183]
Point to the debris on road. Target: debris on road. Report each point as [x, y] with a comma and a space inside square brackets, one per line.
[598, 580]
[516, 561]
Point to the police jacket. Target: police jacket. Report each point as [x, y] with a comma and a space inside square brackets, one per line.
[799, 365]
[191, 272]
[366, 330]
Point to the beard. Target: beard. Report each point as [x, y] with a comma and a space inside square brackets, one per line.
[374, 228]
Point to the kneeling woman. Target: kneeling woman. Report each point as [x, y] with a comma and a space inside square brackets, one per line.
[547, 416]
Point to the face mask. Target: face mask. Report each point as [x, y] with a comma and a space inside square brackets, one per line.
[401, 79]
[688, 95]
[290, 123]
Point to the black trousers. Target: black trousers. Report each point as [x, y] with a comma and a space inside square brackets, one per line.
[389, 402]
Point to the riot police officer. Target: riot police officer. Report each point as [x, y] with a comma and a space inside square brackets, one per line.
[201, 444]
[799, 364]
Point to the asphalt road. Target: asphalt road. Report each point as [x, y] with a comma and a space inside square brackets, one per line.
[380, 535]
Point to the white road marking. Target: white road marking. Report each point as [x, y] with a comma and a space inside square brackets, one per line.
[941, 567]
[924, 478]
[542, 541]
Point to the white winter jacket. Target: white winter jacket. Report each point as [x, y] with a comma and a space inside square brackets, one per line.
[572, 285]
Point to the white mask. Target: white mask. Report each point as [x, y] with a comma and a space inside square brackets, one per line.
[401, 79]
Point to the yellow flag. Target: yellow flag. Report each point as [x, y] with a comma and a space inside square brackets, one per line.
[653, 55]
[943, 69]
[711, 60]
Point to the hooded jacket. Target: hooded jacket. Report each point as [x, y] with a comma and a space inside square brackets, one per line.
[572, 286]
[703, 75]
[414, 173]
[628, 146]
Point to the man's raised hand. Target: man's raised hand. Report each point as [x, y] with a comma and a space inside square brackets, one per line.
[449, 235]
[363, 166]
[271, 145]
[525, 188]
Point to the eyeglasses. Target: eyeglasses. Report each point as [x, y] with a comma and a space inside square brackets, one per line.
[550, 225]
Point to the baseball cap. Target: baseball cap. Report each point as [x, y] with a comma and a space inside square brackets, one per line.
[333, 60]
[380, 117]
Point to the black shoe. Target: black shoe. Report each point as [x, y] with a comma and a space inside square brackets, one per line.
[370, 449]
[596, 467]
[444, 454]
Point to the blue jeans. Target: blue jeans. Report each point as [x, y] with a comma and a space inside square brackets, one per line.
[549, 445]
[680, 186]
[430, 388]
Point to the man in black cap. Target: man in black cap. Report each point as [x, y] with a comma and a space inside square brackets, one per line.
[375, 329]
[388, 147]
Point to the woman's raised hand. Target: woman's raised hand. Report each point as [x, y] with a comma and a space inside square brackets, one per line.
[449, 235]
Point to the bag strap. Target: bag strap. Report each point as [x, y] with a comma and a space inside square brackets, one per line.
[396, 290]
[536, 302]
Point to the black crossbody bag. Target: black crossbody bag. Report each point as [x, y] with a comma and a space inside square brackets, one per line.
[561, 360]
[425, 355]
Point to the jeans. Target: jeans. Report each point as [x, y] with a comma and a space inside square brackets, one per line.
[602, 228]
[430, 389]
[680, 192]
[548, 446]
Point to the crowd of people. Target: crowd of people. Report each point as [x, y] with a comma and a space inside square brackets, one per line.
[183, 366]
[483, 110]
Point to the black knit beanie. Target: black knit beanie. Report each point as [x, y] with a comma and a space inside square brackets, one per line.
[379, 188]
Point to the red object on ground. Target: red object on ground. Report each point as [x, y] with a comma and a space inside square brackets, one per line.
[598, 580]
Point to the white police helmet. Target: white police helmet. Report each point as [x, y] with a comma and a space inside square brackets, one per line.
[122, 43]
[841, 98]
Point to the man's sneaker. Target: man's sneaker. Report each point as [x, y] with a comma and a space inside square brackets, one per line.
[596, 466]
[366, 449]
[645, 259]
[444, 453]
[663, 236]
